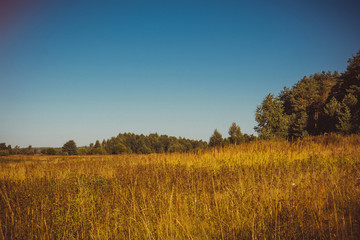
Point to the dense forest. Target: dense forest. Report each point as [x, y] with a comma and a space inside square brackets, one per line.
[326, 102]
[321, 103]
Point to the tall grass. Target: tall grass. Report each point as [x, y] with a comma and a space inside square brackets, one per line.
[307, 189]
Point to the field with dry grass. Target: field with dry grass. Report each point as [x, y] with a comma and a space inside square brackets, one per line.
[308, 189]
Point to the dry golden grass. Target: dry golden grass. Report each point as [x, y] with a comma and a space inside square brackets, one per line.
[308, 189]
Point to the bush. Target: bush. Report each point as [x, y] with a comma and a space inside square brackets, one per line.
[50, 151]
[4, 153]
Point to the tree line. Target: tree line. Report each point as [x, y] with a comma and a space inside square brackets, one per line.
[123, 143]
[126, 143]
[322, 103]
[235, 137]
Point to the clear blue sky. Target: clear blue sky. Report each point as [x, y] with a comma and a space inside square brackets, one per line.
[88, 70]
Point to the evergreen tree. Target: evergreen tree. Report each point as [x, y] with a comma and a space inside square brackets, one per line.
[97, 144]
[332, 110]
[97, 149]
[236, 136]
[344, 120]
[216, 139]
[272, 121]
[349, 83]
[298, 129]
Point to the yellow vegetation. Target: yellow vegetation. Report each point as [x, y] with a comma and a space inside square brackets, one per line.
[307, 189]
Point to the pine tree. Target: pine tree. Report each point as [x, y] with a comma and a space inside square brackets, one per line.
[272, 121]
[97, 144]
[236, 136]
[216, 139]
[344, 120]
[332, 110]
[298, 129]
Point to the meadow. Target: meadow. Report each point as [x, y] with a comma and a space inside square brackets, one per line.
[308, 189]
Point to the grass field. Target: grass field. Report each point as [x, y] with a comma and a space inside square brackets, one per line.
[308, 189]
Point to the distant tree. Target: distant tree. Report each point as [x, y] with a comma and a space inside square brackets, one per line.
[97, 149]
[16, 150]
[3, 146]
[197, 145]
[216, 139]
[4, 151]
[10, 149]
[144, 149]
[121, 148]
[28, 151]
[153, 143]
[186, 144]
[70, 148]
[82, 151]
[236, 136]
[50, 151]
[272, 121]
[226, 142]
[165, 142]
[175, 147]
[249, 138]
[97, 144]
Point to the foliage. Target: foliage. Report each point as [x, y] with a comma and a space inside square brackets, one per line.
[216, 139]
[321, 103]
[153, 143]
[236, 136]
[50, 151]
[82, 151]
[70, 148]
[28, 151]
[4, 152]
[344, 120]
[272, 121]
[124, 143]
[3, 146]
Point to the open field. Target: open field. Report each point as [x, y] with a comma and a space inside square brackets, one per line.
[308, 189]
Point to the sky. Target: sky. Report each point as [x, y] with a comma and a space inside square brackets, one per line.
[88, 70]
